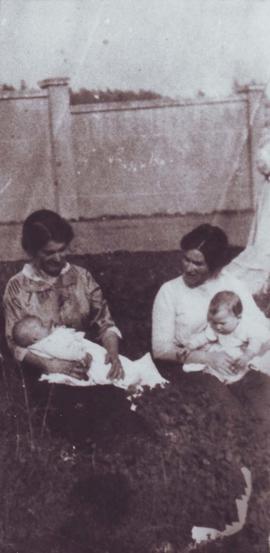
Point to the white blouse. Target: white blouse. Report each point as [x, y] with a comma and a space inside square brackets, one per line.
[179, 312]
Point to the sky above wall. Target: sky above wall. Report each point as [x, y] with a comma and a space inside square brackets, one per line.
[173, 47]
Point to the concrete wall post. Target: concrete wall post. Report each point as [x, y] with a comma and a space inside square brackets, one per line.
[62, 148]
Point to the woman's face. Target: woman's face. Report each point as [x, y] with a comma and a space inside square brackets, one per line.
[195, 268]
[52, 257]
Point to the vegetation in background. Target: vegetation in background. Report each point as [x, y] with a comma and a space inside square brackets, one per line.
[86, 96]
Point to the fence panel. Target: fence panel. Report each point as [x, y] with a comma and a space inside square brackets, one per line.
[171, 159]
[26, 180]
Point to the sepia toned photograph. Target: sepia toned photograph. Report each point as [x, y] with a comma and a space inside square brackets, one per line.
[135, 276]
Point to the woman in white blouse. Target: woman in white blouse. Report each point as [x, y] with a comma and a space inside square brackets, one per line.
[180, 311]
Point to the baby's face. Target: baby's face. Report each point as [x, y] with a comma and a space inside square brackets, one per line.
[37, 330]
[224, 321]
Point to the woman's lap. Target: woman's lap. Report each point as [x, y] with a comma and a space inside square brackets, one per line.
[79, 413]
[83, 411]
[245, 411]
[200, 383]
[253, 392]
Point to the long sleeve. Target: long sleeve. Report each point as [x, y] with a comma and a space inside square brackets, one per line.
[73, 299]
[163, 323]
[99, 310]
[14, 311]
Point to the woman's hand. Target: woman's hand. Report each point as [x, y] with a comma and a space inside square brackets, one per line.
[76, 369]
[110, 342]
[182, 352]
[221, 362]
[116, 371]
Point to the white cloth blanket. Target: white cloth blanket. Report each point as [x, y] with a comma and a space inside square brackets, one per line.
[70, 345]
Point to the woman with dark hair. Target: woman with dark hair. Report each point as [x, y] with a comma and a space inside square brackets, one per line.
[181, 305]
[59, 293]
[180, 312]
[240, 408]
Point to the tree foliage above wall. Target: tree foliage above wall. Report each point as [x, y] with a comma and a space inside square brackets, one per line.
[85, 96]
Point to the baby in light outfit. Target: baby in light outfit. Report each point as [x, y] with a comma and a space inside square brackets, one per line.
[230, 330]
[70, 345]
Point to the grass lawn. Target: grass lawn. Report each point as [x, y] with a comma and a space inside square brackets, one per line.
[143, 478]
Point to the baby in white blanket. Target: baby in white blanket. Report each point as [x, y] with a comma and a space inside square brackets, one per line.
[70, 345]
[229, 330]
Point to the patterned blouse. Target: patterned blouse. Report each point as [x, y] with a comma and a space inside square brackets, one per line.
[73, 299]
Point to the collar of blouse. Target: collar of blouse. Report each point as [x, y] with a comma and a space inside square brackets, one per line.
[37, 280]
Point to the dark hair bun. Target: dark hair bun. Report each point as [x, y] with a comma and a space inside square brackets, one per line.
[211, 241]
[42, 226]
